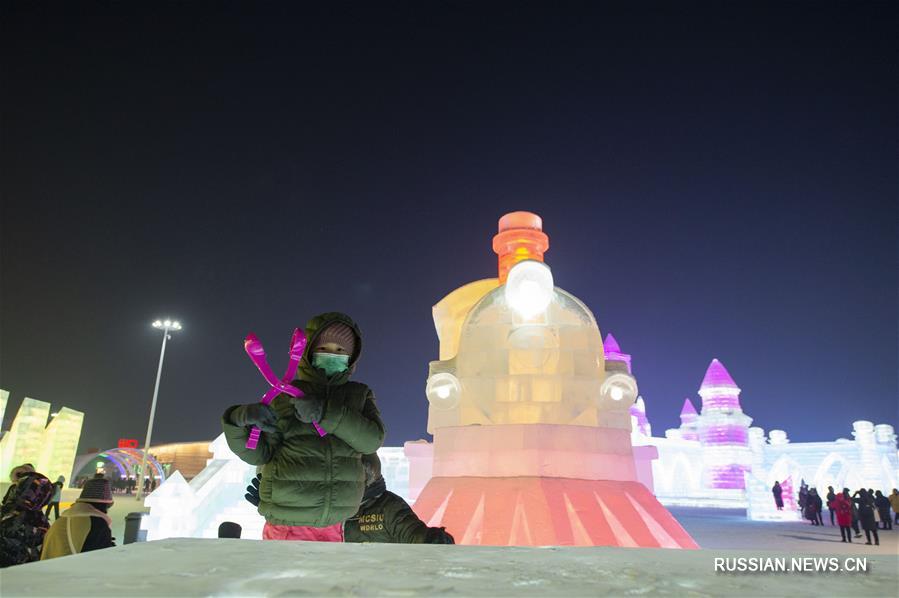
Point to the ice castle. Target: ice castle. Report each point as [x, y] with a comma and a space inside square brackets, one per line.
[717, 458]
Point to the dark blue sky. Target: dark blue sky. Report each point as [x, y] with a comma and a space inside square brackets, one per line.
[717, 180]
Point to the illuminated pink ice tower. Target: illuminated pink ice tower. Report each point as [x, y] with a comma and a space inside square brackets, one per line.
[723, 430]
[531, 422]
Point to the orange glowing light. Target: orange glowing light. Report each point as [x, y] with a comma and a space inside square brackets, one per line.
[520, 238]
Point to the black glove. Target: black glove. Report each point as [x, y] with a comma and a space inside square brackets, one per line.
[256, 414]
[252, 494]
[438, 535]
[309, 408]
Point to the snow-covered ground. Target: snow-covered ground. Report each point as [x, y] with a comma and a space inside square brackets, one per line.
[197, 567]
[729, 529]
[189, 567]
[194, 567]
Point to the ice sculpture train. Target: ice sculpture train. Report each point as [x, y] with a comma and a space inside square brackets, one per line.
[531, 424]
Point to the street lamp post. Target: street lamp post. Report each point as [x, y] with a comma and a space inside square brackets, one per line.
[166, 326]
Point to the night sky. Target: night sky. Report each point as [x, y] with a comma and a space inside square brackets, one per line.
[717, 180]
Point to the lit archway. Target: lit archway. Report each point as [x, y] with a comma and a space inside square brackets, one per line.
[824, 477]
[126, 460]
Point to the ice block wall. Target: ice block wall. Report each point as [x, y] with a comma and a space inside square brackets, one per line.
[50, 448]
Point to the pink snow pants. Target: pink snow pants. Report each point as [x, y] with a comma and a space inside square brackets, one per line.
[332, 533]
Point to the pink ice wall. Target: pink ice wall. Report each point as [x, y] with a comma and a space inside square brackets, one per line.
[544, 484]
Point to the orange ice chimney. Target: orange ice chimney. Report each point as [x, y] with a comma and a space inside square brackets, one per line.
[520, 237]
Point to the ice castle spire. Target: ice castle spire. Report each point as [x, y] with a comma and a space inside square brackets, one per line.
[688, 417]
[612, 350]
[611, 344]
[641, 423]
[718, 389]
[723, 430]
[688, 412]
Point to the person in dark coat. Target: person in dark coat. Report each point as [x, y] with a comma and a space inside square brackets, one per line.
[777, 491]
[14, 474]
[843, 507]
[57, 496]
[385, 517]
[855, 528]
[811, 507]
[831, 495]
[882, 503]
[23, 524]
[818, 504]
[85, 526]
[865, 503]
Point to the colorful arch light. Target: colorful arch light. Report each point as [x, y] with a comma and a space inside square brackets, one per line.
[126, 461]
[115, 461]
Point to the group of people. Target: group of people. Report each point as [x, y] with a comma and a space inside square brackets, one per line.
[26, 534]
[865, 509]
[123, 485]
[320, 477]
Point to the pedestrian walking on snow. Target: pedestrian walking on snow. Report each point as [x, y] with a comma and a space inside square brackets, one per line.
[843, 508]
[866, 516]
[882, 503]
[57, 496]
[831, 495]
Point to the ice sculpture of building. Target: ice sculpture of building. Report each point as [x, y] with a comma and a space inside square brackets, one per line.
[50, 448]
[531, 422]
[195, 509]
[723, 430]
[715, 458]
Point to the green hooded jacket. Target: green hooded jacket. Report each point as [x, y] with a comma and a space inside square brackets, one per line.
[307, 479]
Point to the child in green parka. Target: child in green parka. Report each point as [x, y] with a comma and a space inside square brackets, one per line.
[311, 484]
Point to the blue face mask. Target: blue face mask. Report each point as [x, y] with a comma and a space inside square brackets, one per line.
[331, 363]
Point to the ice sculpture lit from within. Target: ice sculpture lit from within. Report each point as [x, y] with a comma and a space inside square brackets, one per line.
[195, 509]
[723, 430]
[531, 424]
[49, 447]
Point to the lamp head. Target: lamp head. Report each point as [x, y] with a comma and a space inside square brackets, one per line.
[529, 288]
